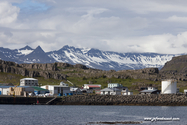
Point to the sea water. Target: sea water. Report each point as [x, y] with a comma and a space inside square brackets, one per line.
[82, 115]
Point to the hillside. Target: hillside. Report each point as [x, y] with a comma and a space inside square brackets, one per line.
[54, 73]
[176, 65]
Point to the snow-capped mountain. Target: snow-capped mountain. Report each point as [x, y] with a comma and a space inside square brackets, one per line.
[25, 50]
[36, 56]
[107, 60]
[93, 58]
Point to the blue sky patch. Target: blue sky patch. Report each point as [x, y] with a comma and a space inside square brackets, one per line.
[30, 6]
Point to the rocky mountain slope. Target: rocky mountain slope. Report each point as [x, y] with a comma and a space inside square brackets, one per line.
[176, 68]
[93, 58]
[61, 71]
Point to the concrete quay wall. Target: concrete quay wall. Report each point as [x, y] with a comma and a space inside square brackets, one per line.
[161, 100]
[25, 100]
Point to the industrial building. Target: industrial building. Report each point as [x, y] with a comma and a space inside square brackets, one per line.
[4, 90]
[57, 89]
[169, 86]
[38, 90]
[28, 82]
[13, 90]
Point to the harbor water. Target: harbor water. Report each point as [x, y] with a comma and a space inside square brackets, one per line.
[82, 115]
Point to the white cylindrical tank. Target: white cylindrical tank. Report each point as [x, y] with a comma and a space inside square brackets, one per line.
[169, 87]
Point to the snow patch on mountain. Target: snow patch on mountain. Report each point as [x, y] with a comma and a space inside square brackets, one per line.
[25, 52]
[85, 50]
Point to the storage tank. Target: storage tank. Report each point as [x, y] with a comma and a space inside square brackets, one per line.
[169, 87]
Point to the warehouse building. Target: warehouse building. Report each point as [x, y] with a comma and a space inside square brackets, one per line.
[57, 89]
[19, 90]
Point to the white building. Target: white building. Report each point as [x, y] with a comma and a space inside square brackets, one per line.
[28, 82]
[57, 89]
[126, 92]
[110, 91]
[4, 90]
[112, 85]
[75, 90]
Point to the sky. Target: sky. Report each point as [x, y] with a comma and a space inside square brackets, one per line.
[158, 26]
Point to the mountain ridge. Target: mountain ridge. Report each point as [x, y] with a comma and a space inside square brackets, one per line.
[90, 57]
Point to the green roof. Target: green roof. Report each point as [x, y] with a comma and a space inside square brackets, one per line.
[39, 89]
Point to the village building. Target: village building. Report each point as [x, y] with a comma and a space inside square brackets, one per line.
[112, 85]
[57, 89]
[150, 90]
[110, 91]
[75, 91]
[91, 86]
[28, 82]
[125, 91]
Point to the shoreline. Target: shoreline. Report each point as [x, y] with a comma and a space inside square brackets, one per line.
[129, 100]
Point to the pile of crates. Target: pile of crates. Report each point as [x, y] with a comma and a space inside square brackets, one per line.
[18, 91]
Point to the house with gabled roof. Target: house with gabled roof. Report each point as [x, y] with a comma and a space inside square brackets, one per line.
[110, 91]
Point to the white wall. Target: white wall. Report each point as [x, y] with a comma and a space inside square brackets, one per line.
[169, 87]
[55, 90]
[5, 91]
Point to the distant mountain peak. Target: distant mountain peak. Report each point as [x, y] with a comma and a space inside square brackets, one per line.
[26, 48]
[37, 56]
[39, 49]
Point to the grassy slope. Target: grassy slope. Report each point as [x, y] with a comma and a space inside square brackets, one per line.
[79, 81]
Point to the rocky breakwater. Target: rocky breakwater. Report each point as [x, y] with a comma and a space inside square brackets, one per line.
[162, 100]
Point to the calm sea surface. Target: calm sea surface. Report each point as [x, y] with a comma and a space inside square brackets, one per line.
[82, 115]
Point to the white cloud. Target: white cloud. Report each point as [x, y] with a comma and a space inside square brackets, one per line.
[147, 6]
[175, 18]
[8, 13]
[121, 25]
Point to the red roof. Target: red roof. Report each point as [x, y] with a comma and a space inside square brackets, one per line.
[94, 86]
